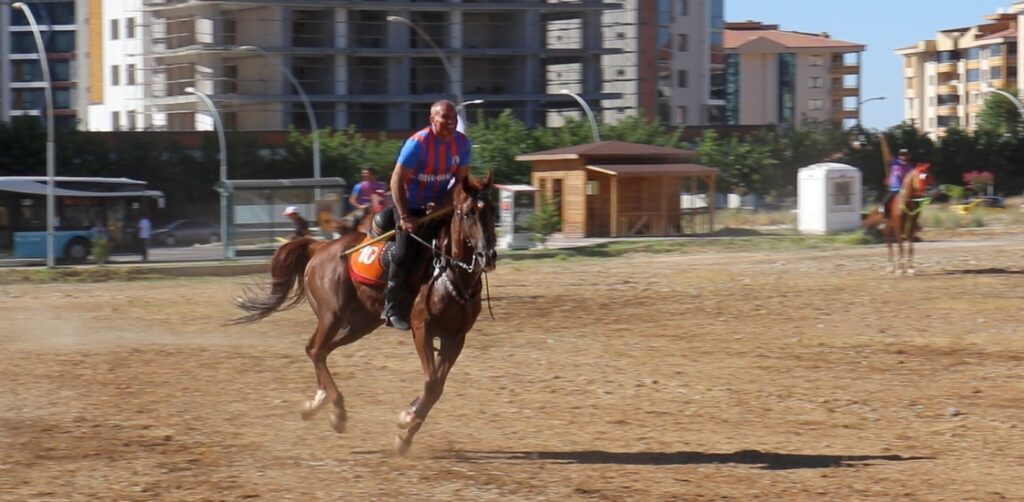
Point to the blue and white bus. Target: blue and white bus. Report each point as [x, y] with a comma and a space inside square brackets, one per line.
[83, 205]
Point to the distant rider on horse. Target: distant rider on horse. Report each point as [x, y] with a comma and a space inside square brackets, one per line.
[898, 170]
[431, 163]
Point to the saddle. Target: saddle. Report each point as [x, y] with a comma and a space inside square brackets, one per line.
[370, 264]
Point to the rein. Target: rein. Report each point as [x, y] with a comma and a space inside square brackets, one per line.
[440, 264]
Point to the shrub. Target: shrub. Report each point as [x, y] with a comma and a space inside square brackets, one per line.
[545, 221]
[101, 250]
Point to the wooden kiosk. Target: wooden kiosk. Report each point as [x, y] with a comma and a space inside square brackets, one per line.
[620, 189]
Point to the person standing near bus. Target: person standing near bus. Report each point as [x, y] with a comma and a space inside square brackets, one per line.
[145, 231]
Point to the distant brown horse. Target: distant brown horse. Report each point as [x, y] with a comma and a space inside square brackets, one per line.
[361, 220]
[901, 223]
[446, 305]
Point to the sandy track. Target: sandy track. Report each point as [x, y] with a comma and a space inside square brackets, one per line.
[728, 376]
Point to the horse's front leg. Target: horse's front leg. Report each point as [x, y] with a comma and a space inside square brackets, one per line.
[435, 373]
[891, 268]
[910, 253]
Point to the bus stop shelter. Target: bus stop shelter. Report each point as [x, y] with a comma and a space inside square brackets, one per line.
[254, 209]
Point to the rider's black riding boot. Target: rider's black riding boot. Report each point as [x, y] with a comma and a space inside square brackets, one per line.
[396, 301]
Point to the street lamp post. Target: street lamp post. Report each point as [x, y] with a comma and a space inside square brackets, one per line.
[1011, 97]
[223, 170]
[461, 107]
[51, 167]
[861, 103]
[305, 101]
[456, 89]
[586, 108]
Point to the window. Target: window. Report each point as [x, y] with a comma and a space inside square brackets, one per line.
[682, 78]
[130, 116]
[230, 79]
[973, 75]
[129, 76]
[974, 53]
[816, 82]
[974, 97]
[995, 51]
[115, 121]
[684, 7]
[817, 60]
[681, 115]
[114, 75]
[60, 70]
[113, 29]
[129, 27]
[682, 42]
[816, 104]
[842, 193]
[972, 120]
[63, 99]
[995, 73]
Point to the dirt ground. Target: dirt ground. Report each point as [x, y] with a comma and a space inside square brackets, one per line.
[780, 375]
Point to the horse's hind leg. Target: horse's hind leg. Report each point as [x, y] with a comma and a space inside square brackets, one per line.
[435, 373]
[319, 347]
[910, 255]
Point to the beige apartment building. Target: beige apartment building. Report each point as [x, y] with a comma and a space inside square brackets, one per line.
[774, 76]
[945, 78]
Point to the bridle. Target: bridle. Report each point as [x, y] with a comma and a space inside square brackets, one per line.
[445, 261]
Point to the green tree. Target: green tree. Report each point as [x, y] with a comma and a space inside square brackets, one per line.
[497, 142]
[1000, 114]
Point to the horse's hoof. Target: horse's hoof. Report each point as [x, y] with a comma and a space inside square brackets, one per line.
[314, 405]
[406, 418]
[338, 423]
[401, 447]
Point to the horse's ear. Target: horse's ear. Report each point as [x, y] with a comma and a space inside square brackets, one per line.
[924, 166]
[489, 180]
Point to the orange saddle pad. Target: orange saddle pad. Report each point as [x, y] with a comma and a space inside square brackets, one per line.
[367, 265]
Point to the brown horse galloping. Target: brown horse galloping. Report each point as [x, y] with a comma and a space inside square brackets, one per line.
[446, 305]
[901, 222]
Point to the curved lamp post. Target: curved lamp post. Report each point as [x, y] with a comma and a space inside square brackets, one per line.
[456, 90]
[461, 107]
[223, 168]
[51, 168]
[305, 101]
[1011, 97]
[586, 108]
[861, 103]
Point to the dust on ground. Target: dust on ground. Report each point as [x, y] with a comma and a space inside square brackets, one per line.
[797, 375]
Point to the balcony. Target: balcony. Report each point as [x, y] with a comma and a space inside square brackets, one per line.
[946, 67]
[949, 87]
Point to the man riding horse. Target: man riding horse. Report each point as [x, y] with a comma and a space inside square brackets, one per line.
[898, 170]
[431, 163]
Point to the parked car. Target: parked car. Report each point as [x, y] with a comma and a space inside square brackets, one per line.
[989, 201]
[185, 232]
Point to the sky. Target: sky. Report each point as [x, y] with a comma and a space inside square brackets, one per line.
[882, 25]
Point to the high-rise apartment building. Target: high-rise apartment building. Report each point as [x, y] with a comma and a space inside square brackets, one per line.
[359, 63]
[22, 87]
[945, 78]
[773, 76]
[671, 61]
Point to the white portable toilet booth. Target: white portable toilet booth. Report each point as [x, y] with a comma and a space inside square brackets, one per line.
[516, 208]
[828, 198]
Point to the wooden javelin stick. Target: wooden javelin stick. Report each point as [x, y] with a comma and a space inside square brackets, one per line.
[389, 233]
[886, 156]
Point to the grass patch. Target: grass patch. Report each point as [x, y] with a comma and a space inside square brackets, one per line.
[760, 242]
[75, 275]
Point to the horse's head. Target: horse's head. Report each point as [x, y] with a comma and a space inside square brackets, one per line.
[919, 179]
[473, 236]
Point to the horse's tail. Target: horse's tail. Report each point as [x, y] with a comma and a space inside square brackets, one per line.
[286, 273]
